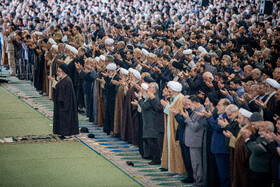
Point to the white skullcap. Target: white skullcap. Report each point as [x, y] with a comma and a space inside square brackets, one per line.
[97, 59]
[123, 71]
[273, 83]
[74, 50]
[145, 86]
[55, 47]
[38, 33]
[245, 112]
[109, 41]
[52, 41]
[152, 55]
[102, 57]
[202, 49]
[145, 52]
[111, 66]
[176, 86]
[187, 52]
[136, 74]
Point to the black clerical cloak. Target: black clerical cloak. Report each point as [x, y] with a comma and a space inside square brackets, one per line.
[110, 95]
[65, 114]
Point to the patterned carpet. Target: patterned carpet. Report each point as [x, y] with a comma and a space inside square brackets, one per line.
[113, 149]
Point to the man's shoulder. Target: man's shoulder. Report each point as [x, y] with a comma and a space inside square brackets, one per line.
[65, 81]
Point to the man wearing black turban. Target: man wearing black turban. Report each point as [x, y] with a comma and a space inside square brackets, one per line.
[65, 114]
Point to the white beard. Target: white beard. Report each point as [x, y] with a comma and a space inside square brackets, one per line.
[59, 77]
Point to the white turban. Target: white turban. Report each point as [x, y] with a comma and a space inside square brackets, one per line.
[187, 52]
[175, 86]
[157, 16]
[130, 70]
[152, 55]
[102, 57]
[52, 41]
[202, 49]
[245, 113]
[145, 86]
[123, 71]
[109, 41]
[136, 73]
[38, 33]
[111, 66]
[273, 83]
[64, 39]
[97, 59]
[74, 50]
[145, 52]
[55, 47]
[68, 47]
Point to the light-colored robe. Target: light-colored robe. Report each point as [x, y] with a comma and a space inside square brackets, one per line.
[171, 154]
[118, 119]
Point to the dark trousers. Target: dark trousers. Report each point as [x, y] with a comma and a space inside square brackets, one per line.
[187, 159]
[160, 141]
[262, 179]
[154, 148]
[223, 165]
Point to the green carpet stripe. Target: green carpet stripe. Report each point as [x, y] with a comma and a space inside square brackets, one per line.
[158, 174]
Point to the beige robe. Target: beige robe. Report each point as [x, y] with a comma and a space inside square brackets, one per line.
[171, 153]
[118, 117]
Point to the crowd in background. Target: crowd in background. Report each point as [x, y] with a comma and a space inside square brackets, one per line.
[196, 88]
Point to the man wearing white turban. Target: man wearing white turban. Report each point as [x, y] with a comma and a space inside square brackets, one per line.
[110, 90]
[171, 154]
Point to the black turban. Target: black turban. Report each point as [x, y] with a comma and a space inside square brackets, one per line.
[213, 98]
[177, 65]
[64, 68]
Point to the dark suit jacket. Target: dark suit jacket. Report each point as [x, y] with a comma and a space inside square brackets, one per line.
[218, 144]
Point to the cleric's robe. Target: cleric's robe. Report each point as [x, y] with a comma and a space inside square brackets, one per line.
[46, 74]
[171, 153]
[77, 82]
[5, 62]
[50, 62]
[130, 128]
[240, 172]
[110, 94]
[65, 114]
[93, 114]
[38, 70]
[118, 116]
[101, 107]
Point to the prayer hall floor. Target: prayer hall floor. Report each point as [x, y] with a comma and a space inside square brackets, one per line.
[100, 161]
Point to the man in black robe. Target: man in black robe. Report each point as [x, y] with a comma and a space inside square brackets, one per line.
[111, 77]
[65, 114]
